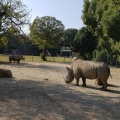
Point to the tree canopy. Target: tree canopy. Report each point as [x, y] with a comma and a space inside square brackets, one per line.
[13, 14]
[102, 18]
[68, 37]
[84, 43]
[46, 31]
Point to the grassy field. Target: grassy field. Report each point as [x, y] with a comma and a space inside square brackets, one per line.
[28, 58]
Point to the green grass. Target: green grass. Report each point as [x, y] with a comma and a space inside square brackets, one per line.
[28, 58]
[59, 59]
[4, 58]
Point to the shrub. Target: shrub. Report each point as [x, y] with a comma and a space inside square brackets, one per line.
[100, 56]
[43, 57]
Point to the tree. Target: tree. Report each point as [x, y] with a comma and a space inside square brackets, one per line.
[13, 14]
[102, 18]
[84, 43]
[46, 32]
[68, 37]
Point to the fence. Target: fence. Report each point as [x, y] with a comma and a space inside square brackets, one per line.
[28, 58]
[31, 58]
[113, 62]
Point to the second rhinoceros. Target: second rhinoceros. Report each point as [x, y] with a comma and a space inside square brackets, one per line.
[16, 58]
[88, 70]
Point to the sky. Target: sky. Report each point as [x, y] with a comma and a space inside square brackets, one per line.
[67, 11]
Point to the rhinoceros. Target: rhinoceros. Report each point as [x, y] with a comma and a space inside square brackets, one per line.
[88, 70]
[16, 58]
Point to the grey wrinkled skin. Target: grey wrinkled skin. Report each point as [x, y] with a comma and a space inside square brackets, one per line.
[16, 58]
[88, 70]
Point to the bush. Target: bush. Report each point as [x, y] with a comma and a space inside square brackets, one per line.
[100, 56]
[77, 55]
[43, 57]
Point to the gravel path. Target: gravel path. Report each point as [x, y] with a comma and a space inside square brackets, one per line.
[37, 91]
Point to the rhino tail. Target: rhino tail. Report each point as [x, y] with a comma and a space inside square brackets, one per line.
[96, 73]
[109, 72]
[110, 75]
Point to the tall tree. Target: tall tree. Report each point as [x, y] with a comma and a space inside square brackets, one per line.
[102, 17]
[84, 43]
[12, 14]
[46, 32]
[68, 37]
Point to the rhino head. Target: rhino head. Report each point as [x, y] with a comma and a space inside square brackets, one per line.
[70, 76]
[22, 58]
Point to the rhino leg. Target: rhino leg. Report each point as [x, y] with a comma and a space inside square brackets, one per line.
[18, 61]
[77, 80]
[84, 82]
[98, 82]
[105, 85]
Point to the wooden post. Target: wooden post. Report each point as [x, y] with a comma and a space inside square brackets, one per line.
[54, 59]
[116, 63]
[64, 59]
[32, 58]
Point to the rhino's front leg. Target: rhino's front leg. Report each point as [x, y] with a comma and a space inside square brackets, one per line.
[77, 81]
[84, 82]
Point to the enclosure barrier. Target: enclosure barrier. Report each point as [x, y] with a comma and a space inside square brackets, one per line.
[113, 62]
[32, 58]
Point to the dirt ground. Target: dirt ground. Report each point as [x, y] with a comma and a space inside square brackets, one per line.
[37, 91]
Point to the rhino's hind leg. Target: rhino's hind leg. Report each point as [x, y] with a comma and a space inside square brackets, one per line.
[84, 82]
[104, 85]
[98, 82]
[18, 61]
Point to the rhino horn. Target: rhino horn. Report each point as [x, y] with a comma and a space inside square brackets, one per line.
[68, 68]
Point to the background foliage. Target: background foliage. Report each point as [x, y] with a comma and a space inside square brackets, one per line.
[102, 18]
[98, 40]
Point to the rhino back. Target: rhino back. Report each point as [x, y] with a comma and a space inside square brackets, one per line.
[14, 57]
[89, 69]
[17, 58]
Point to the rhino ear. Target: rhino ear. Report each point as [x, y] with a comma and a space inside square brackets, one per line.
[67, 68]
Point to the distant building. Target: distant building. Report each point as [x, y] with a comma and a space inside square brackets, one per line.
[65, 51]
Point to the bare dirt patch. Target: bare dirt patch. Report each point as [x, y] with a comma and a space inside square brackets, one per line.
[37, 91]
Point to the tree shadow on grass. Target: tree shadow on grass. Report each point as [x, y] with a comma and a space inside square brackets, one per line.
[32, 100]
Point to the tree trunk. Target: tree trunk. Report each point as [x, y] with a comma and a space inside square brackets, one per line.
[44, 54]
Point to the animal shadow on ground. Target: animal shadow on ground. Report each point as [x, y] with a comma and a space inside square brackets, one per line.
[108, 90]
[32, 100]
[99, 87]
